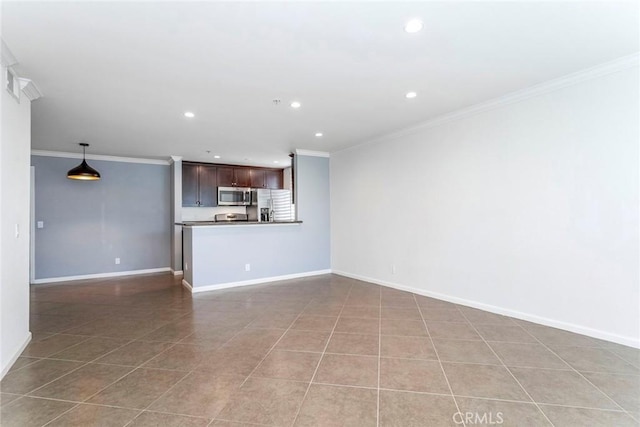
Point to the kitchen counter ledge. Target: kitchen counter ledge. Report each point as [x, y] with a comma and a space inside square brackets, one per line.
[233, 223]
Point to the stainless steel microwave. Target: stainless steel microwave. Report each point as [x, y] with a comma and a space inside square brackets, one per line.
[234, 196]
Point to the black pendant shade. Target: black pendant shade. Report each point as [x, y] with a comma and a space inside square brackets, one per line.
[83, 171]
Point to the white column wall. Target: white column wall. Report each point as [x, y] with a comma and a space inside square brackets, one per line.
[15, 180]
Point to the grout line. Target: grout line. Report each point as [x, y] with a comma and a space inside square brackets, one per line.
[143, 411]
[444, 374]
[83, 364]
[61, 415]
[634, 363]
[98, 357]
[110, 384]
[507, 368]
[239, 423]
[338, 385]
[582, 376]
[379, 356]
[85, 339]
[310, 298]
[343, 385]
[274, 345]
[134, 418]
[321, 357]
[568, 368]
[79, 367]
[11, 371]
[158, 355]
[614, 354]
[197, 365]
[619, 411]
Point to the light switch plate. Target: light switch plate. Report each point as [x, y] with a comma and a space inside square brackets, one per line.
[40, 224]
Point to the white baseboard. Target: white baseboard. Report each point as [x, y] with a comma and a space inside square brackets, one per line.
[177, 272]
[215, 287]
[571, 327]
[187, 285]
[15, 356]
[100, 275]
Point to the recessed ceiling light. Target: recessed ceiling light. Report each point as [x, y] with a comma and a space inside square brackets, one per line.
[189, 114]
[275, 161]
[216, 157]
[318, 134]
[413, 26]
[411, 95]
[296, 104]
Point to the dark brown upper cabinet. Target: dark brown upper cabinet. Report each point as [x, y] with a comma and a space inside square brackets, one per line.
[200, 181]
[190, 196]
[225, 176]
[233, 176]
[199, 185]
[257, 178]
[273, 178]
[242, 176]
[266, 178]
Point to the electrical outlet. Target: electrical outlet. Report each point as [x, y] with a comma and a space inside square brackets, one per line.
[186, 266]
[393, 269]
[40, 224]
[117, 260]
[17, 230]
[247, 267]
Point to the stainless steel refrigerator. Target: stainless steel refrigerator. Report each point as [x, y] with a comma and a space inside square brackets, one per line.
[270, 206]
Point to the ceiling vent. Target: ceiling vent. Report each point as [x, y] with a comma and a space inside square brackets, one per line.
[13, 83]
[30, 89]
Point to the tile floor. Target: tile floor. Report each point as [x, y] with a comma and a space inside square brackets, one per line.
[321, 351]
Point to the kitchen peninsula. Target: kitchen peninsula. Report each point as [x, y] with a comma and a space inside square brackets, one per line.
[218, 255]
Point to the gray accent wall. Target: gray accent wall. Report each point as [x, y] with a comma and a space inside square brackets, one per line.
[313, 205]
[88, 224]
[176, 213]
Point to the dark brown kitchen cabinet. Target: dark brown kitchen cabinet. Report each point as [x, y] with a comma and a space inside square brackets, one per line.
[225, 177]
[257, 178]
[208, 186]
[233, 177]
[273, 178]
[189, 185]
[199, 185]
[200, 181]
[242, 176]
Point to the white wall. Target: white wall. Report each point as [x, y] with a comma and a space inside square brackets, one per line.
[14, 251]
[527, 208]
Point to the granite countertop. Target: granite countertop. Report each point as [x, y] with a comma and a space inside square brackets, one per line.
[235, 223]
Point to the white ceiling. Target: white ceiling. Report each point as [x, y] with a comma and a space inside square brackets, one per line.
[120, 75]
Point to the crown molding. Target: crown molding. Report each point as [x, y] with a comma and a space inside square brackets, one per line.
[44, 153]
[601, 70]
[311, 153]
[6, 57]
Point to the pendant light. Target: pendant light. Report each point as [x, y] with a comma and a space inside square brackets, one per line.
[83, 171]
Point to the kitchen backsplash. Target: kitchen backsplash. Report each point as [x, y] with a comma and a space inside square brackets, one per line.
[207, 214]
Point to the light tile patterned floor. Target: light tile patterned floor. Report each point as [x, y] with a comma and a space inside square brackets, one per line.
[320, 351]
